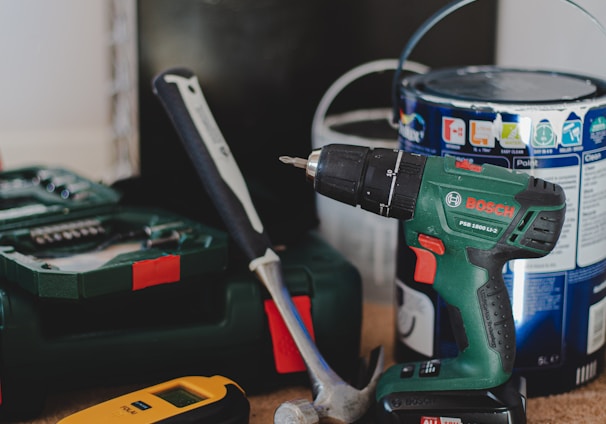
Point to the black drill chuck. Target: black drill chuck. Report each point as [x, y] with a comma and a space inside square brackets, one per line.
[383, 181]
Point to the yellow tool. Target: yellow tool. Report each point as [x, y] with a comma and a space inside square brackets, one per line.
[213, 399]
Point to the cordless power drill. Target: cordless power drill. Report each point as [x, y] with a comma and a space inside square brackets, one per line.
[464, 222]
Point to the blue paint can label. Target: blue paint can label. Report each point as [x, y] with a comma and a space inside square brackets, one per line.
[559, 301]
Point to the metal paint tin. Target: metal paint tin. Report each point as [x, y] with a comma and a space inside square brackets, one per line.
[552, 125]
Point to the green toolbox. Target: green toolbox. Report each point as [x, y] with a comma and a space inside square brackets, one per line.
[64, 237]
[95, 293]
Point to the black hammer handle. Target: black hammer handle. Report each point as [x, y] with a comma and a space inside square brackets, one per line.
[180, 93]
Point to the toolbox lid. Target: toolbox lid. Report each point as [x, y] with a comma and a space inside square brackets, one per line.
[84, 244]
[505, 85]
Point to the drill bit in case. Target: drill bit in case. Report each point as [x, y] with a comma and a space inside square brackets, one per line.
[62, 236]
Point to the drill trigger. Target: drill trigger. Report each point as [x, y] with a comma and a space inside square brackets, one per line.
[425, 269]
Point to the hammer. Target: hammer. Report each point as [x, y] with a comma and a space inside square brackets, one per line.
[180, 93]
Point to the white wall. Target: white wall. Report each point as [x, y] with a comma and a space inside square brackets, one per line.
[551, 34]
[55, 85]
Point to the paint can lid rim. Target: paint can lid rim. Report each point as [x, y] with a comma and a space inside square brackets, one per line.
[504, 85]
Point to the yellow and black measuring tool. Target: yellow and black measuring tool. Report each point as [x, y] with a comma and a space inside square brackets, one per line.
[215, 399]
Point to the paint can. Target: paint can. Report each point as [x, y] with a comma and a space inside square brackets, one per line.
[552, 125]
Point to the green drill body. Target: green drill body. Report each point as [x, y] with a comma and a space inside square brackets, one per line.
[468, 221]
[464, 222]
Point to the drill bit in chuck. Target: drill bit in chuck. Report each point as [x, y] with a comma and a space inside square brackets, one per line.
[310, 164]
[296, 162]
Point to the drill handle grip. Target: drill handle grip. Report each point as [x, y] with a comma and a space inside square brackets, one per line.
[495, 307]
[180, 93]
[478, 303]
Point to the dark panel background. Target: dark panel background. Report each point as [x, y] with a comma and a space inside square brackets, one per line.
[264, 66]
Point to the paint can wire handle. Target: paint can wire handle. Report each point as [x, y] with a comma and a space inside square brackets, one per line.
[435, 19]
[349, 77]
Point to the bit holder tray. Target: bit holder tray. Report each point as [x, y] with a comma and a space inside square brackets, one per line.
[63, 236]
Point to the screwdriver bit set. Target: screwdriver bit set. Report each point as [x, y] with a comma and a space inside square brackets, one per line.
[63, 236]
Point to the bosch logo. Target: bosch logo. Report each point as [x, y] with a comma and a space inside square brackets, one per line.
[489, 207]
[453, 199]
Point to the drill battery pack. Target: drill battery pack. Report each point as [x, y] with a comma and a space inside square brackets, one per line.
[504, 404]
[95, 294]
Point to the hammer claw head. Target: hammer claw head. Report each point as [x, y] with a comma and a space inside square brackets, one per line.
[334, 401]
[343, 403]
[297, 411]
